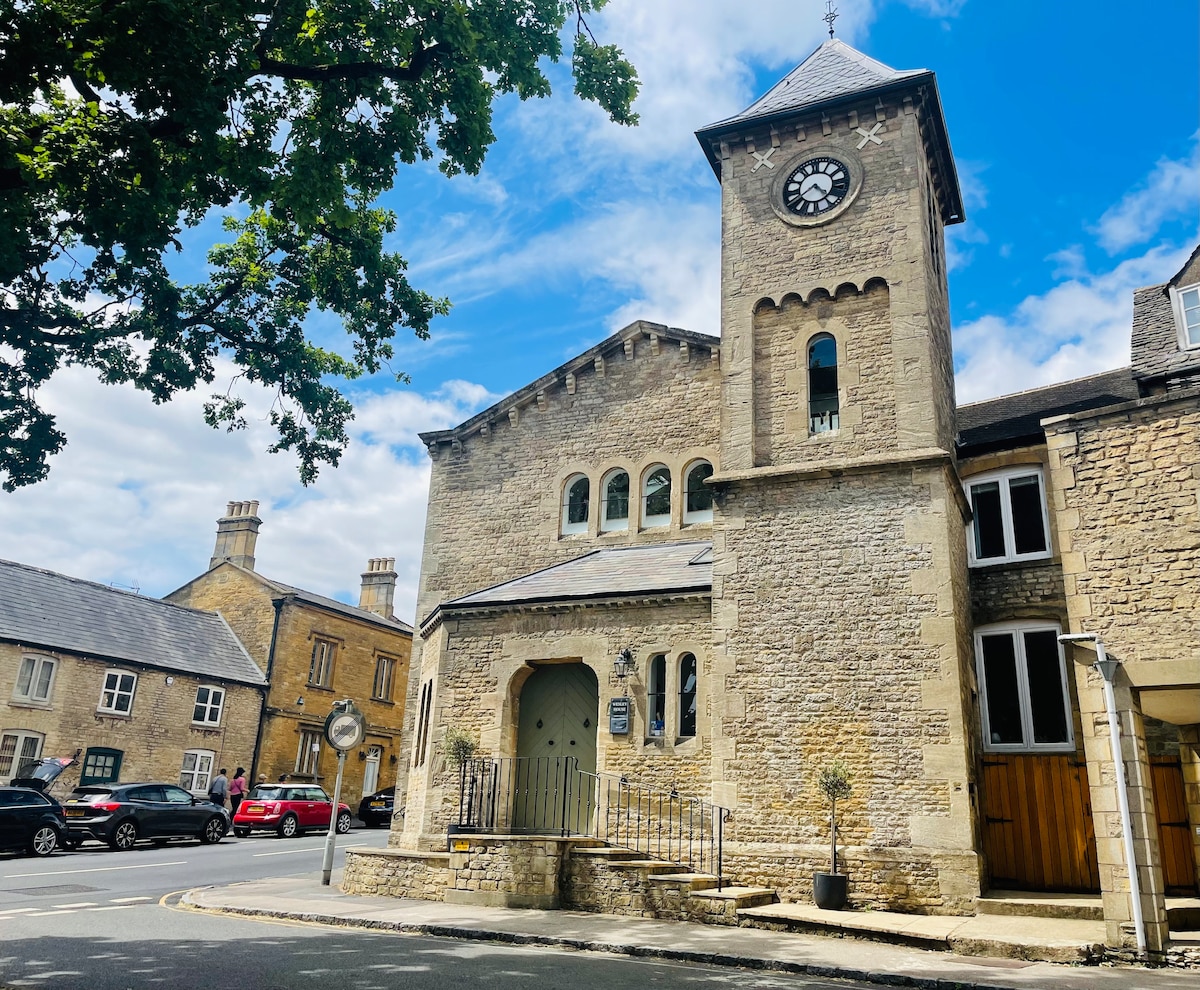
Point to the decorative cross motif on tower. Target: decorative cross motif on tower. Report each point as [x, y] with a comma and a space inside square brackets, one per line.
[831, 15]
[762, 158]
[870, 135]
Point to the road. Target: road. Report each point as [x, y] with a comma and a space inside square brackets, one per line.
[100, 920]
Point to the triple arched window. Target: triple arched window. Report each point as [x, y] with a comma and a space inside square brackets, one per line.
[822, 384]
[653, 499]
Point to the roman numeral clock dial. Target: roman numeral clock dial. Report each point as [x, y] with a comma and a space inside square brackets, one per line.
[816, 186]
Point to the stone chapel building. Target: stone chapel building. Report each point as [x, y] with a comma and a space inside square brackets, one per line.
[812, 553]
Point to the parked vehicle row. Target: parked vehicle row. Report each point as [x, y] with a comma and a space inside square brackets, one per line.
[120, 815]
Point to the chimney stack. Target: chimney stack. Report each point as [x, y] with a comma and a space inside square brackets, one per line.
[379, 586]
[237, 532]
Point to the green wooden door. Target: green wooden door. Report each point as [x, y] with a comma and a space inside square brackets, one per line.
[559, 708]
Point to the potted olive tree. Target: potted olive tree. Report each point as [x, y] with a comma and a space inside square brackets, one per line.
[829, 889]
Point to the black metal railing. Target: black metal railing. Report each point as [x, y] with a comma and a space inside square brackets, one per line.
[552, 796]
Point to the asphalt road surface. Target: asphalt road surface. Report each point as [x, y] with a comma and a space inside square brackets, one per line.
[94, 919]
[158, 945]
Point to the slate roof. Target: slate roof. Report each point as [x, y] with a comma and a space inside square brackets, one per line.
[1155, 339]
[54, 611]
[834, 74]
[333, 605]
[833, 71]
[1010, 420]
[657, 568]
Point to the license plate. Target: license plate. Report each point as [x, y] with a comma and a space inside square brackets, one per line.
[377, 804]
[255, 809]
[74, 812]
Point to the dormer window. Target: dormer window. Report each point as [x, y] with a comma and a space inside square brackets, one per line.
[576, 496]
[1187, 309]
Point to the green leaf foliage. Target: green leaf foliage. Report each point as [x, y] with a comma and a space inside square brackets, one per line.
[123, 122]
[834, 781]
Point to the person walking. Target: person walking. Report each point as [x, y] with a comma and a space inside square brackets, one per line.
[237, 789]
[218, 790]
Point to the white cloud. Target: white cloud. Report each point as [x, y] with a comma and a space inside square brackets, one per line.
[134, 497]
[1080, 327]
[1171, 190]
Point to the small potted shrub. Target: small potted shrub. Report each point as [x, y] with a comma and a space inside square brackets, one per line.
[829, 889]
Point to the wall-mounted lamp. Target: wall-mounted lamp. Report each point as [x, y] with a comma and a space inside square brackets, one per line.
[170, 681]
[624, 664]
[361, 755]
[392, 759]
[300, 702]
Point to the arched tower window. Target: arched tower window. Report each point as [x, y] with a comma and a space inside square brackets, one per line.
[614, 493]
[687, 695]
[697, 506]
[822, 384]
[656, 497]
[656, 696]
[576, 496]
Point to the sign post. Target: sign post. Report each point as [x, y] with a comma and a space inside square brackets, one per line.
[345, 728]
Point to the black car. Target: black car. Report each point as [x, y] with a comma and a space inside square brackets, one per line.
[29, 821]
[375, 810]
[120, 814]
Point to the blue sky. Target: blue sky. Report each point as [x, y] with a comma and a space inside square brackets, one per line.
[1074, 128]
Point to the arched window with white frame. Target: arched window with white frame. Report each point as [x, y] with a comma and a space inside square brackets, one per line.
[614, 495]
[656, 496]
[576, 498]
[656, 696]
[697, 493]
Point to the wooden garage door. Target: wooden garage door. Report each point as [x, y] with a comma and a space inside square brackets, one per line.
[1174, 834]
[1037, 823]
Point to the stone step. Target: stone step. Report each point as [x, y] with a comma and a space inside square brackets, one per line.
[693, 881]
[742, 897]
[606, 852]
[1030, 904]
[1061, 940]
[1183, 914]
[658, 865]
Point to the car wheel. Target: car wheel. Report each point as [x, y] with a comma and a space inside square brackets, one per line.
[44, 841]
[214, 830]
[241, 833]
[343, 823]
[124, 835]
[289, 827]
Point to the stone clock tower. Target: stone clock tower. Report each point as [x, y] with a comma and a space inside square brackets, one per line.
[840, 606]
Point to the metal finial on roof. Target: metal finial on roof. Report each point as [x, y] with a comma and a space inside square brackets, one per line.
[831, 15]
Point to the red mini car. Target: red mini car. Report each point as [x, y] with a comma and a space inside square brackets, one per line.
[287, 809]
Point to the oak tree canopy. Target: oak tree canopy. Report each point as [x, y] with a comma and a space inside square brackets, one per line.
[124, 122]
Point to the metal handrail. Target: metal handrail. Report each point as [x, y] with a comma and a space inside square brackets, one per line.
[552, 796]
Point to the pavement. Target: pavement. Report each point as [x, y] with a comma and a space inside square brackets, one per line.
[305, 899]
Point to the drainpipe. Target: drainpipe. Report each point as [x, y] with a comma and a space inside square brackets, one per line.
[1108, 669]
[262, 715]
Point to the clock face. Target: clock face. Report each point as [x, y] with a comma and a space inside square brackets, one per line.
[816, 186]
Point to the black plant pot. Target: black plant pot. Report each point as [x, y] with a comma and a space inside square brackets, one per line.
[829, 890]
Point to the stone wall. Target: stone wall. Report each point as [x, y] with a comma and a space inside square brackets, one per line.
[1124, 486]
[396, 873]
[838, 636]
[152, 737]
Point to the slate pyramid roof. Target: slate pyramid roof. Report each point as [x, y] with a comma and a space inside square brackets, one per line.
[833, 71]
[836, 74]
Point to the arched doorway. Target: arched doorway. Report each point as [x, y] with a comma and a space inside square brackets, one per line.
[556, 746]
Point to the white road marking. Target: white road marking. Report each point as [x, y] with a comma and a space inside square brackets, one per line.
[24, 910]
[98, 869]
[81, 904]
[114, 907]
[46, 914]
[128, 900]
[287, 852]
